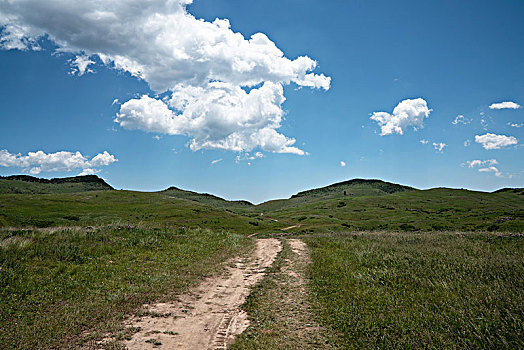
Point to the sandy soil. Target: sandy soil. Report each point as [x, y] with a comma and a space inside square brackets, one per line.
[208, 317]
[290, 227]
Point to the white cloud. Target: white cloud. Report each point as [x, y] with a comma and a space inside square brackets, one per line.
[36, 162]
[467, 143]
[219, 116]
[88, 171]
[102, 159]
[484, 124]
[515, 125]
[439, 147]
[80, 66]
[406, 113]
[478, 162]
[247, 156]
[216, 161]
[188, 59]
[485, 166]
[505, 105]
[156, 137]
[491, 169]
[493, 141]
[342, 163]
[460, 119]
[424, 142]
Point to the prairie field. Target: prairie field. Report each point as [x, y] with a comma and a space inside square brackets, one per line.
[364, 264]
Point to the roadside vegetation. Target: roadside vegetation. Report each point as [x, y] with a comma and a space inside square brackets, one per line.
[421, 290]
[61, 287]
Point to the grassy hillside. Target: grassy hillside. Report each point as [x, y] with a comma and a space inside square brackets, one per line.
[342, 190]
[205, 198]
[19, 184]
[120, 208]
[435, 209]
[347, 206]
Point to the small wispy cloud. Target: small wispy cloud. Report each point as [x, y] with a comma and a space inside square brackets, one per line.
[491, 169]
[515, 125]
[484, 166]
[439, 146]
[216, 161]
[478, 162]
[424, 142]
[248, 156]
[460, 119]
[505, 105]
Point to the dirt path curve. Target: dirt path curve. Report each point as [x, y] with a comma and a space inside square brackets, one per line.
[209, 317]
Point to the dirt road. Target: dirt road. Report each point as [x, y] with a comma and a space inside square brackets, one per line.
[209, 317]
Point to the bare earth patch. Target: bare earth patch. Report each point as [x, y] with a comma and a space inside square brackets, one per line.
[209, 317]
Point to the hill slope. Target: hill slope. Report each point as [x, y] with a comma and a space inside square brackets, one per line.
[204, 198]
[435, 209]
[342, 190]
[352, 205]
[23, 184]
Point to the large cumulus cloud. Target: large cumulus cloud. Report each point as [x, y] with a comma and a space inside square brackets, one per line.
[186, 59]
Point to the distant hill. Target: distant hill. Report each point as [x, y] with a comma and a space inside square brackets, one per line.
[355, 188]
[352, 205]
[24, 184]
[204, 198]
[511, 190]
[341, 190]
[410, 210]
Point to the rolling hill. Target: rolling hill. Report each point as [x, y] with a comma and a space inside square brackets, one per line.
[204, 198]
[23, 184]
[352, 205]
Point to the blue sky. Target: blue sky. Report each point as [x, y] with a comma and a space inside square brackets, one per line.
[460, 58]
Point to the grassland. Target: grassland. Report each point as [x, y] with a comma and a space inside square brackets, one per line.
[429, 210]
[97, 208]
[76, 258]
[421, 290]
[61, 287]
[351, 205]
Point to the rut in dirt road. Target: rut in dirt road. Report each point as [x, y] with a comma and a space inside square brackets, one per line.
[209, 317]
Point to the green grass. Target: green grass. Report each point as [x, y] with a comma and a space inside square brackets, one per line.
[348, 206]
[421, 290]
[75, 262]
[205, 198]
[121, 207]
[429, 210]
[57, 283]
